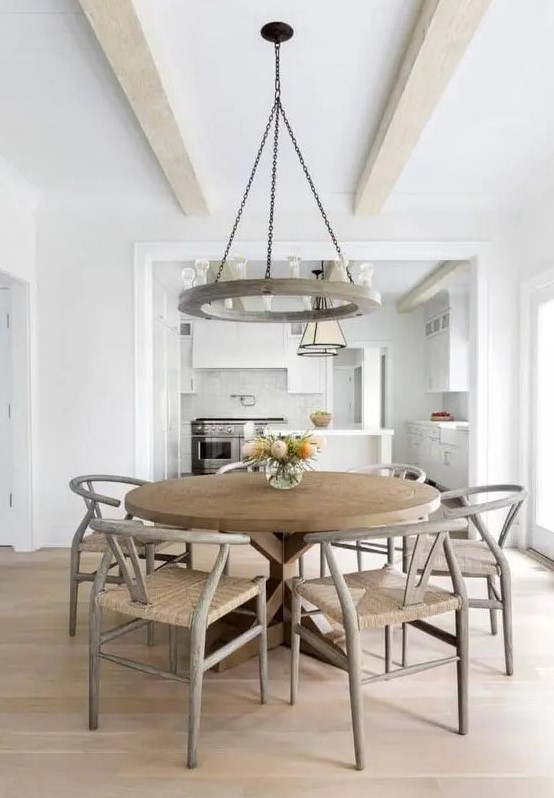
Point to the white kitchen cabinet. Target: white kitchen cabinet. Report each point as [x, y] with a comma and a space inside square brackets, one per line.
[441, 451]
[305, 374]
[234, 345]
[186, 450]
[447, 343]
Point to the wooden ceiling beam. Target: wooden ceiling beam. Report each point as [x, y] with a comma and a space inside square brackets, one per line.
[122, 38]
[439, 40]
[430, 285]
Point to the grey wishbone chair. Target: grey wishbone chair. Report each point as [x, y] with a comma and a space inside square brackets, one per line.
[484, 558]
[381, 598]
[177, 597]
[86, 541]
[397, 471]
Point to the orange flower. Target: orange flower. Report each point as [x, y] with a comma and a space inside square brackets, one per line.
[306, 450]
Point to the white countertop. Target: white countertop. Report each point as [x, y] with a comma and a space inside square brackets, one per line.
[332, 431]
[445, 424]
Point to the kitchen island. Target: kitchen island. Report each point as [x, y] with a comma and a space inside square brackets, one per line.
[350, 447]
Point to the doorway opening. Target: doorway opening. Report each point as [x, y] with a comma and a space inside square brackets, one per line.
[15, 416]
[359, 387]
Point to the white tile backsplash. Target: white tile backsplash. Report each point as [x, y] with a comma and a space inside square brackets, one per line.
[268, 386]
[457, 404]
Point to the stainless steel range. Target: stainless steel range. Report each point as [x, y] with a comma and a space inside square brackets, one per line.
[218, 441]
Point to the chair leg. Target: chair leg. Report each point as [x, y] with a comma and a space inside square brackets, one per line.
[322, 562]
[150, 558]
[73, 590]
[359, 557]
[490, 591]
[173, 650]
[294, 644]
[354, 656]
[94, 666]
[506, 594]
[405, 628]
[196, 676]
[301, 566]
[261, 607]
[388, 649]
[227, 566]
[390, 552]
[188, 549]
[462, 642]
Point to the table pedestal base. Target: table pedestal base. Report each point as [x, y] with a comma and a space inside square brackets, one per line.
[282, 551]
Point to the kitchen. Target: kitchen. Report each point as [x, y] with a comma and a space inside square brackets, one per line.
[211, 377]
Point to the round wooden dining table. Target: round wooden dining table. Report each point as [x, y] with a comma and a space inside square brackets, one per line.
[277, 520]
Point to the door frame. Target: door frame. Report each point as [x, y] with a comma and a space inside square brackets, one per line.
[529, 289]
[22, 439]
[477, 253]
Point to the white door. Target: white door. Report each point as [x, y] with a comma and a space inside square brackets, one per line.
[542, 428]
[6, 463]
[343, 397]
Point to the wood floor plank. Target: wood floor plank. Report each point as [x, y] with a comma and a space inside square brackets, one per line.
[247, 750]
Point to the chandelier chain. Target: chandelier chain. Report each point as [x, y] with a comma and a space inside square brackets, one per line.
[314, 192]
[246, 192]
[277, 111]
[274, 162]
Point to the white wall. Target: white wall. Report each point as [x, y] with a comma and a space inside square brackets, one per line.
[85, 257]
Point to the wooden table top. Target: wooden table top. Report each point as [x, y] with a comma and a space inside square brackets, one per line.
[242, 502]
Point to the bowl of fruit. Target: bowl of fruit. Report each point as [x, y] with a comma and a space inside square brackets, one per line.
[442, 415]
[321, 418]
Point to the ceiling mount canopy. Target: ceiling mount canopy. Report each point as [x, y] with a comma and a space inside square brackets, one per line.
[224, 299]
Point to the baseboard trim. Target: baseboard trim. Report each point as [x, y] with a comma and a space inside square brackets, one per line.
[535, 555]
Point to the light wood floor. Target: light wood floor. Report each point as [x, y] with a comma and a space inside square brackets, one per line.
[249, 751]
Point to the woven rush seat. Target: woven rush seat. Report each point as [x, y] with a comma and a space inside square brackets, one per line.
[174, 593]
[378, 596]
[97, 542]
[474, 558]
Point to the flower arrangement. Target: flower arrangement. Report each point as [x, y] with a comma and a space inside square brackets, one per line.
[284, 457]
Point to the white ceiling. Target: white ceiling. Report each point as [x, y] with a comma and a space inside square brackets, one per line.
[491, 138]
[336, 73]
[66, 126]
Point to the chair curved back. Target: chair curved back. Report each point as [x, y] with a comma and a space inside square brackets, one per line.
[236, 467]
[397, 470]
[232, 467]
[512, 501]
[84, 486]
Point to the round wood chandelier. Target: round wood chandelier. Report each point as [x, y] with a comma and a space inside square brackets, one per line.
[329, 299]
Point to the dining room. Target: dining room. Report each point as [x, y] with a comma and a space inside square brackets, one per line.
[276, 334]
